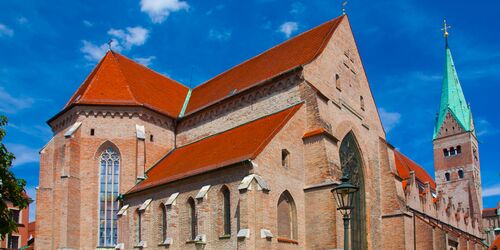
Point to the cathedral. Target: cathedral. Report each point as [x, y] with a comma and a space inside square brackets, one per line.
[248, 159]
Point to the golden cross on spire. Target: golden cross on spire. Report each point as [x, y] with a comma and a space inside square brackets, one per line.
[445, 29]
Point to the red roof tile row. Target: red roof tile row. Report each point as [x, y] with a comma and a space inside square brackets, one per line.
[232, 146]
[282, 58]
[117, 80]
[405, 165]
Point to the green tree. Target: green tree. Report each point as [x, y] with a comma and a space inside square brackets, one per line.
[11, 188]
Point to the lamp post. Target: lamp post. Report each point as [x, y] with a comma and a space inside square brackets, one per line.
[344, 195]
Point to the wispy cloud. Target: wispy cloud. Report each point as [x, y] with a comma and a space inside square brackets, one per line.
[216, 8]
[288, 28]
[131, 36]
[22, 20]
[88, 23]
[491, 190]
[146, 61]
[389, 119]
[123, 40]
[23, 153]
[93, 52]
[297, 8]
[10, 104]
[5, 31]
[159, 10]
[39, 131]
[220, 35]
[484, 128]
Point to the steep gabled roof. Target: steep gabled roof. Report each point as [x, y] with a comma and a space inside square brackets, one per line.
[452, 98]
[280, 59]
[232, 146]
[117, 80]
[405, 165]
[490, 212]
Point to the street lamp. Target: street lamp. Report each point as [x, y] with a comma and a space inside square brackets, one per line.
[344, 195]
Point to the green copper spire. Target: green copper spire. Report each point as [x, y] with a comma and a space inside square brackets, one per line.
[452, 96]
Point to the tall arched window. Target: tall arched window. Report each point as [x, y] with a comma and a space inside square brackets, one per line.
[109, 180]
[287, 217]
[460, 174]
[447, 176]
[352, 165]
[226, 210]
[163, 222]
[193, 220]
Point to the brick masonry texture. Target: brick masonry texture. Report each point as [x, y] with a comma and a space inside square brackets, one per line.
[392, 217]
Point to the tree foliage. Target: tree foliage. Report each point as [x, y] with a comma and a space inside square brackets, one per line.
[11, 188]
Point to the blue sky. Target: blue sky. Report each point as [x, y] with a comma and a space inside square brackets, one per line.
[47, 49]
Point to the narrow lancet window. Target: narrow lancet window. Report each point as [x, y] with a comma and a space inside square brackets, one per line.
[109, 188]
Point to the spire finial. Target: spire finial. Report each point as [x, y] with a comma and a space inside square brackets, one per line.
[109, 43]
[343, 7]
[445, 31]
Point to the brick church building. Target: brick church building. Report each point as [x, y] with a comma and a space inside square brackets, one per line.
[248, 159]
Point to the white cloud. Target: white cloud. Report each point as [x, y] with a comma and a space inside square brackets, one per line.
[88, 23]
[389, 119]
[123, 39]
[93, 52]
[5, 31]
[146, 61]
[491, 191]
[10, 104]
[219, 35]
[159, 10]
[288, 28]
[23, 153]
[131, 36]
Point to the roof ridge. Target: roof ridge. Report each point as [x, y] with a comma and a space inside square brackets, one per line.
[90, 77]
[151, 70]
[269, 49]
[327, 37]
[124, 77]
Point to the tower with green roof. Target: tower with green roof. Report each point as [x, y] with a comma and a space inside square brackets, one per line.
[456, 152]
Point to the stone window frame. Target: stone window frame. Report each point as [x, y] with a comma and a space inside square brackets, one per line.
[292, 235]
[19, 215]
[193, 218]
[115, 157]
[9, 241]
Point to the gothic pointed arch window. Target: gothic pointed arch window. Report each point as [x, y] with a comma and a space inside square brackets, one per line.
[352, 165]
[163, 222]
[287, 217]
[109, 180]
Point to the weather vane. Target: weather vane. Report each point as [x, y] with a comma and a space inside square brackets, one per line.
[445, 28]
[109, 43]
[343, 7]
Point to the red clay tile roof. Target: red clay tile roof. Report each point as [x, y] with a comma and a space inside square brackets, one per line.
[496, 244]
[117, 80]
[489, 212]
[229, 147]
[282, 58]
[404, 165]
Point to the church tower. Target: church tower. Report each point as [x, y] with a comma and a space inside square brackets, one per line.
[456, 152]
